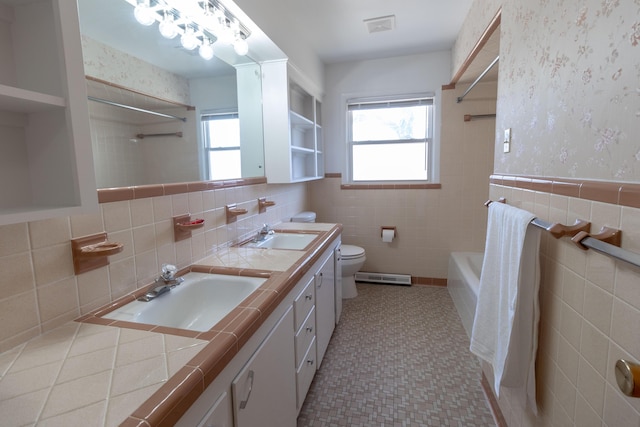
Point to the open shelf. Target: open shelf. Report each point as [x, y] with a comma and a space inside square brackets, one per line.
[46, 165]
[293, 132]
[26, 101]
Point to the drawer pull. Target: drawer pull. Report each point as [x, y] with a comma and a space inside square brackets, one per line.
[309, 329]
[320, 282]
[309, 297]
[310, 362]
[243, 403]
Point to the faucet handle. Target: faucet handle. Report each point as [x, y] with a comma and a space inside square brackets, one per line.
[168, 271]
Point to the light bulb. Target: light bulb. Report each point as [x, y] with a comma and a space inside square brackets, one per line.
[143, 13]
[241, 46]
[189, 40]
[168, 27]
[206, 50]
[225, 34]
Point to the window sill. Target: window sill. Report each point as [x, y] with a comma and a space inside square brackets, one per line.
[381, 186]
[404, 186]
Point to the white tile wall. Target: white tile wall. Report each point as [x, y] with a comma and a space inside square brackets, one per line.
[430, 223]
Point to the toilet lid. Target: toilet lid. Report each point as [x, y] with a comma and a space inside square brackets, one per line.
[350, 251]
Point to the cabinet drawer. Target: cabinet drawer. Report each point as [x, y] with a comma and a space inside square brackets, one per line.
[305, 335]
[305, 373]
[303, 304]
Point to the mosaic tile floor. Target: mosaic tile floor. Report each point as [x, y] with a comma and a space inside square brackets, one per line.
[399, 357]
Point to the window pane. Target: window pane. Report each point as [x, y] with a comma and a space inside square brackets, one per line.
[223, 132]
[384, 124]
[390, 162]
[224, 164]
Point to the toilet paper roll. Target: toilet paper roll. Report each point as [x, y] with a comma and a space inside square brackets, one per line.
[388, 235]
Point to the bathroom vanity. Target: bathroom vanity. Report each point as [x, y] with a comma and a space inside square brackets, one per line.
[274, 369]
[257, 362]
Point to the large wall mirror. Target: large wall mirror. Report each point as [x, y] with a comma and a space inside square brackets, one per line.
[162, 114]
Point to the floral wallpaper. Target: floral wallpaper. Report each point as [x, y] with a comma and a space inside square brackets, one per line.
[112, 65]
[569, 86]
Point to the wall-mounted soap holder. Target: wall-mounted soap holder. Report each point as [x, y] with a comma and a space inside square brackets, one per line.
[263, 204]
[233, 211]
[91, 252]
[183, 225]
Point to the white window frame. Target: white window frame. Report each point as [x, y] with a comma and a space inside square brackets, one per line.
[432, 140]
[219, 114]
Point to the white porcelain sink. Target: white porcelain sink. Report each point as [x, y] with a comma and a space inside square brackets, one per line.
[295, 241]
[200, 302]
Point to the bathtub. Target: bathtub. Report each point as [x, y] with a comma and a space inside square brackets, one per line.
[463, 280]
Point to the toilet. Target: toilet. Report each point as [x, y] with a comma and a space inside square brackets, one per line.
[353, 257]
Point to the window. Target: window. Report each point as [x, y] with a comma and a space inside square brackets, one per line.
[221, 135]
[390, 139]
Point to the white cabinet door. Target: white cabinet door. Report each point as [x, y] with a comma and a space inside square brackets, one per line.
[264, 392]
[220, 413]
[325, 306]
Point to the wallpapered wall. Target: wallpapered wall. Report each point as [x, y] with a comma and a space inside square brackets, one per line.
[108, 64]
[570, 89]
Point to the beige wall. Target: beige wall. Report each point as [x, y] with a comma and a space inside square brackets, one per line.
[568, 88]
[38, 288]
[431, 223]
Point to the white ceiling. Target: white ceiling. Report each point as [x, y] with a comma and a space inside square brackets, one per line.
[335, 29]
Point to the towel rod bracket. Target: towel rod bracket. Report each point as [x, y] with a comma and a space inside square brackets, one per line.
[608, 235]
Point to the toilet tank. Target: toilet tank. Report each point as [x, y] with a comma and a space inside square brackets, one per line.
[305, 216]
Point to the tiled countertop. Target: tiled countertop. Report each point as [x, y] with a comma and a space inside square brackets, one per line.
[109, 373]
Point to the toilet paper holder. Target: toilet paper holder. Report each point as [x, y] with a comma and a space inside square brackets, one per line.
[389, 227]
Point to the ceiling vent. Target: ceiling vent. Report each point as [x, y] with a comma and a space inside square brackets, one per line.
[382, 23]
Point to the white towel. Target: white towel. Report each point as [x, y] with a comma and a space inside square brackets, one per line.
[505, 328]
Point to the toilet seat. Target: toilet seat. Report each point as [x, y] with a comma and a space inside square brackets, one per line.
[351, 252]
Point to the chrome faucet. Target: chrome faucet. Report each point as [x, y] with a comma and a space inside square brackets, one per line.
[263, 233]
[162, 284]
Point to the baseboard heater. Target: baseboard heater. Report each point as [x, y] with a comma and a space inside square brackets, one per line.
[388, 279]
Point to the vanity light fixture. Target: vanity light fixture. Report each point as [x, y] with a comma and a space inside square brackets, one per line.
[199, 23]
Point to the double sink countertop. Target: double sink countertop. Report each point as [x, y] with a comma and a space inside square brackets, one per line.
[99, 372]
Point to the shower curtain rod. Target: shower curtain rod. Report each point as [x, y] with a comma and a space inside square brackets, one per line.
[495, 61]
[141, 110]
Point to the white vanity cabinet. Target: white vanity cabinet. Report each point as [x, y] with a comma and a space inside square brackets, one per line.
[257, 388]
[265, 384]
[220, 414]
[305, 338]
[292, 125]
[46, 163]
[325, 284]
[264, 390]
